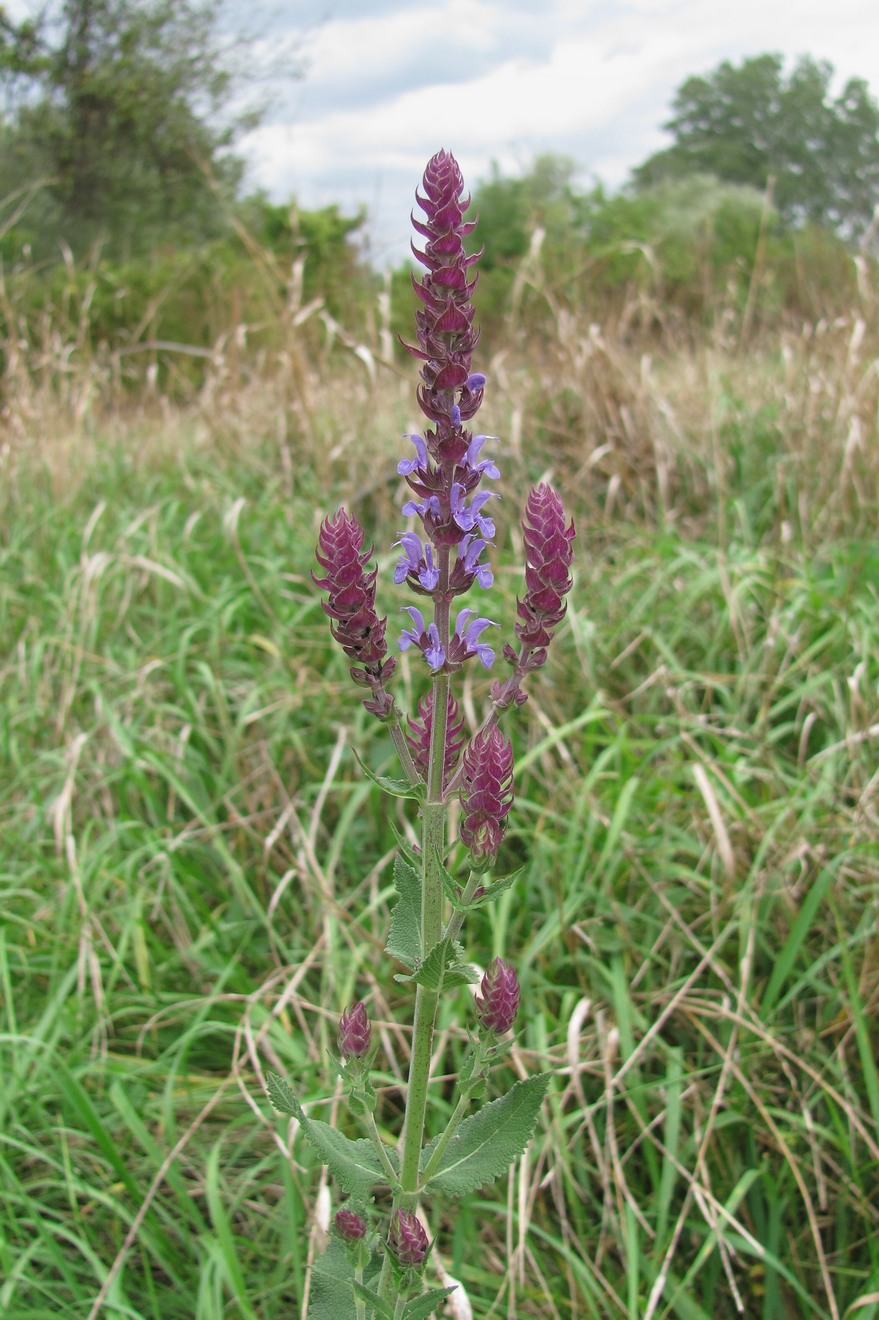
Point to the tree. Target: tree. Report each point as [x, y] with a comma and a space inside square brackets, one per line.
[118, 108]
[751, 123]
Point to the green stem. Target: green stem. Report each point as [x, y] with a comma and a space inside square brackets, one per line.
[359, 1303]
[386, 1278]
[381, 1150]
[456, 920]
[453, 1125]
[398, 738]
[400, 1307]
[416, 1098]
[433, 847]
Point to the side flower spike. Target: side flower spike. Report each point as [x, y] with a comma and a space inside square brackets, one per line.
[418, 736]
[407, 1238]
[549, 552]
[355, 1032]
[486, 795]
[351, 607]
[349, 1225]
[498, 1001]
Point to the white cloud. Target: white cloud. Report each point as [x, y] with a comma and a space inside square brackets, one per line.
[495, 81]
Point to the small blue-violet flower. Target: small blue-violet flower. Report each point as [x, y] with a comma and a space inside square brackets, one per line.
[416, 559]
[487, 467]
[469, 633]
[425, 636]
[468, 516]
[407, 465]
[469, 551]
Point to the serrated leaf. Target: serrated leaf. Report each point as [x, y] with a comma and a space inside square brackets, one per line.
[460, 974]
[381, 1310]
[404, 936]
[353, 1164]
[429, 971]
[452, 889]
[332, 1284]
[419, 1308]
[405, 847]
[281, 1094]
[486, 1144]
[496, 888]
[331, 1295]
[443, 966]
[400, 788]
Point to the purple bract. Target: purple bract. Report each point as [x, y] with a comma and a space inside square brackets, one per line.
[498, 1001]
[486, 794]
[355, 1032]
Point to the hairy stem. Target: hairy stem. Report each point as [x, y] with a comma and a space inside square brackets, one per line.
[451, 1129]
[398, 738]
[456, 920]
[381, 1151]
[433, 843]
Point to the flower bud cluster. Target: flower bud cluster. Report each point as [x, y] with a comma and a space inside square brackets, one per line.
[349, 1225]
[486, 795]
[419, 734]
[498, 1000]
[407, 1239]
[444, 560]
[355, 1032]
[351, 607]
[549, 551]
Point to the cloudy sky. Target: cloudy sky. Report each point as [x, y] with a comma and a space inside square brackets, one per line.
[385, 83]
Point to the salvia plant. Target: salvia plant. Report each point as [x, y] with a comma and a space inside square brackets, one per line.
[375, 1263]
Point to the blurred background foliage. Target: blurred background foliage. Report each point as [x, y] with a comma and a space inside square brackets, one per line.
[123, 226]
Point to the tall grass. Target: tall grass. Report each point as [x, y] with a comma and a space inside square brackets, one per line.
[194, 875]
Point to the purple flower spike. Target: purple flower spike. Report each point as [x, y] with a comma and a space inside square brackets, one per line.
[351, 607]
[444, 321]
[349, 1225]
[549, 548]
[418, 736]
[486, 794]
[355, 1031]
[498, 1002]
[407, 1239]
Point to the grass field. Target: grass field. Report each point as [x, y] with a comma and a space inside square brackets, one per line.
[195, 875]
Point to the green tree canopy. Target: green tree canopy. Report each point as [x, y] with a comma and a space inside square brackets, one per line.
[751, 123]
[116, 105]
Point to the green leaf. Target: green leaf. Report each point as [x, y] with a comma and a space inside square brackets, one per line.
[443, 966]
[381, 1310]
[419, 1308]
[497, 887]
[281, 1094]
[353, 1164]
[408, 856]
[486, 1144]
[452, 889]
[400, 788]
[429, 971]
[333, 1286]
[460, 974]
[404, 937]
